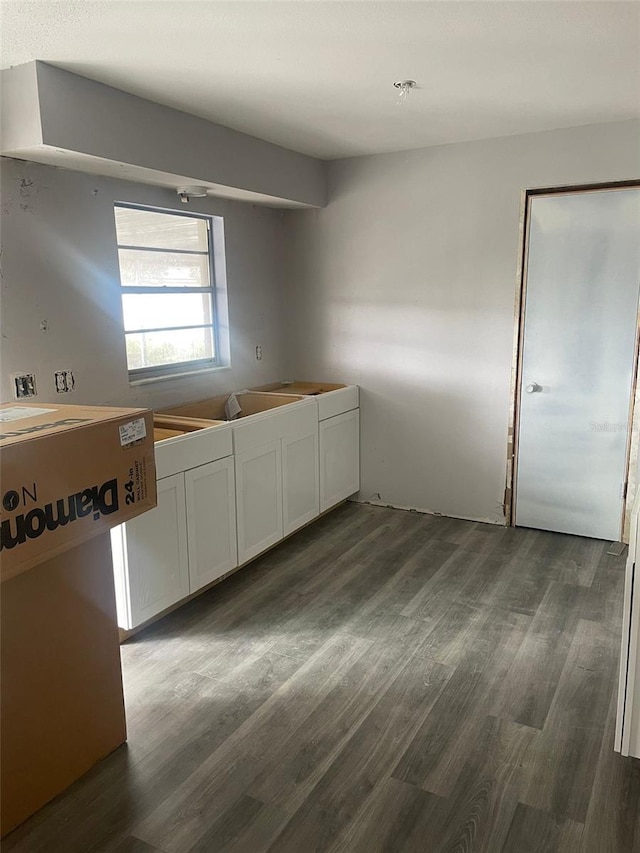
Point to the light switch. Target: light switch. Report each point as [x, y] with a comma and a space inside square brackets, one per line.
[24, 385]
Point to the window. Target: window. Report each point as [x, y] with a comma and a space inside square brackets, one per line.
[168, 291]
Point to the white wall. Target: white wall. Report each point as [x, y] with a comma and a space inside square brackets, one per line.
[60, 264]
[406, 285]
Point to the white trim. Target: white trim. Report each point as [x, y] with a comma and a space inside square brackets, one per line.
[627, 736]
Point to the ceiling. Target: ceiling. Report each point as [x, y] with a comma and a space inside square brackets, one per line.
[317, 77]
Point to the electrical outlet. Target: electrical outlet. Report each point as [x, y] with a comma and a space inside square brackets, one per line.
[24, 385]
[259, 353]
[65, 381]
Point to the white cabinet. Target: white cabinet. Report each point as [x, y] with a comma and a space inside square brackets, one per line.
[259, 499]
[339, 458]
[227, 493]
[210, 496]
[150, 557]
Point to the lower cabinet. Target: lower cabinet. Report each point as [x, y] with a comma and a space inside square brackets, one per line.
[186, 542]
[339, 458]
[288, 467]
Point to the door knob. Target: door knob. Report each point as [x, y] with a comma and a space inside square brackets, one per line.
[533, 388]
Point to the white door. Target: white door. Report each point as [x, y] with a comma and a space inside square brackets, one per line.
[211, 521]
[258, 499]
[583, 275]
[156, 549]
[300, 486]
[339, 458]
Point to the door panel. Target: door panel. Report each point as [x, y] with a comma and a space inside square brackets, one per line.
[157, 553]
[300, 489]
[339, 458]
[580, 323]
[211, 521]
[259, 499]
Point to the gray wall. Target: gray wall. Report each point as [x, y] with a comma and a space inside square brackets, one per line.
[405, 284]
[59, 264]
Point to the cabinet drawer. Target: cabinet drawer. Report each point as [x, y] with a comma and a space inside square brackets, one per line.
[273, 425]
[193, 449]
[336, 402]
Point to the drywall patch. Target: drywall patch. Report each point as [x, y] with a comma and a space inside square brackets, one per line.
[26, 187]
[28, 191]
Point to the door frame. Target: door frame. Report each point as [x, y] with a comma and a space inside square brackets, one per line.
[633, 440]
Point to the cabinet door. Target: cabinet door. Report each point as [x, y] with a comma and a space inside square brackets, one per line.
[259, 499]
[339, 458]
[211, 521]
[156, 553]
[300, 480]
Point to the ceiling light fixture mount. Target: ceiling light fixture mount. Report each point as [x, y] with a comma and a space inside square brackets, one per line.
[185, 193]
[404, 87]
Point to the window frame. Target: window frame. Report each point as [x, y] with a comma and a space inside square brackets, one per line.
[175, 368]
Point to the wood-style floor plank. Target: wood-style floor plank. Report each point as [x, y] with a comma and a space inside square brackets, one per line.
[382, 681]
[396, 817]
[134, 845]
[527, 692]
[247, 825]
[534, 831]
[612, 822]
[479, 812]
[564, 758]
[450, 636]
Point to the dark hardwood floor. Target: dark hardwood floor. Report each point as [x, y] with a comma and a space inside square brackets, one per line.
[383, 681]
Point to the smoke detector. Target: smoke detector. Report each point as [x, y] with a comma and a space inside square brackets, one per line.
[404, 87]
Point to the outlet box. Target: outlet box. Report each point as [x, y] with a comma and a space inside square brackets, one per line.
[24, 385]
[259, 353]
[65, 381]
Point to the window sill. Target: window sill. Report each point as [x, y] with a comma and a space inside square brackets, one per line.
[151, 380]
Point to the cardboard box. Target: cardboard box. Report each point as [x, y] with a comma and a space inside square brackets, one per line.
[62, 707]
[67, 474]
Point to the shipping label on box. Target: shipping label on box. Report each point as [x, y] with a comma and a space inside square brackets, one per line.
[68, 474]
